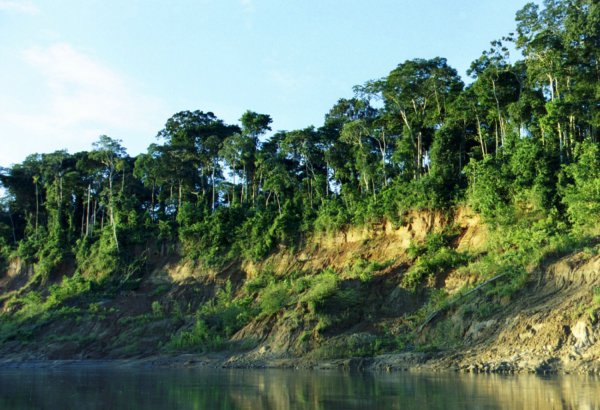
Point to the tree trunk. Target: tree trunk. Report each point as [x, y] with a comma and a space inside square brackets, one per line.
[244, 186]
[499, 112]
[37, 205]
[560, 142]
[479, 133]
[497, 137]
[152, 200]
[87, 219]
[82, 232]
[179, 194]
[419, 153]
[327, 180]
[278, 203]
[94, 218]
[551, 81]
[233, 190]
[212, 179]
[111, 211]
[123, 182]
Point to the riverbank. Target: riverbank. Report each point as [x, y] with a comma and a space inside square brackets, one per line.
[457, 362]
[347, 301]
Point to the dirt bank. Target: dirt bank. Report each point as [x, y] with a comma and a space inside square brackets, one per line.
[364, 308]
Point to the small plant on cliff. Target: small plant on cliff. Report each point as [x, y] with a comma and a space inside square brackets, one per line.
[215, 322]
[434, 257]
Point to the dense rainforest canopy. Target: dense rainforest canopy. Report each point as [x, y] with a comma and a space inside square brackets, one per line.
[520, 138]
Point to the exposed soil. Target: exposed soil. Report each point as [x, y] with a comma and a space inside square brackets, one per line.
[546, 327]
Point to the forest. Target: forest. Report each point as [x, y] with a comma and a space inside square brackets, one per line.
[518, 143]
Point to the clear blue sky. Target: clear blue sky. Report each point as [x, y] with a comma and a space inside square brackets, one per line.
[72, 70]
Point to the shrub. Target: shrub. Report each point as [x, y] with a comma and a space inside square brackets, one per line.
[200, 337]
[581, 187]
[215, 322]
[323, 286]
[274, 297]
[432, 258]
[69, 287]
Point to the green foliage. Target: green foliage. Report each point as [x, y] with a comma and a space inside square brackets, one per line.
[519, 145]
[256, 235]
[363, 270]
[366, 164]
[517, 277]
[489, 188]
[157, 309]
[331, 217]
[215, 322]
[207, 238]
[322, 287]
[260, 281]
[596, 296]
[581, 190]
[98, 259]
[432, 258]
[199, 337]
[68, 288]
[274, 297]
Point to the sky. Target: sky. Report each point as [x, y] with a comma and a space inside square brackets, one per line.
[72, 70]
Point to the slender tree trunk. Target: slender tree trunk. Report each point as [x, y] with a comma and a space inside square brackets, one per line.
[233, 190]
[267, 200]
[326, 180]
[242, 183]
[278, 203]
[123, 182]
[37, 206]
[571, 135]
[385, 182]
[87, 219]
[179, 195]
[480, 134]
[419, 152]
[560, 142]
[94, 218]
[497, 137]
[212, 179]
[82, 231]
[152, 200]
[551, 82]
[499, 112]
[111, 212]
[543, 131]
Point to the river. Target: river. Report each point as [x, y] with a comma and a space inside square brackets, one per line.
[151, 388]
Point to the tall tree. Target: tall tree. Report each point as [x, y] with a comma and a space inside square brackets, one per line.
[416, 93]
[110, 153]
[192, 141]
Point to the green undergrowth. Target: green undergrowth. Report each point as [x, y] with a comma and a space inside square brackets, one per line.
[322, 301]
[432, 258]
[215, 322]
[320, 308]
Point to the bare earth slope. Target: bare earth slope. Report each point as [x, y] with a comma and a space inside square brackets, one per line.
[546, 326]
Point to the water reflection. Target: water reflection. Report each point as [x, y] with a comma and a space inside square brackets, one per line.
[280, 389]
